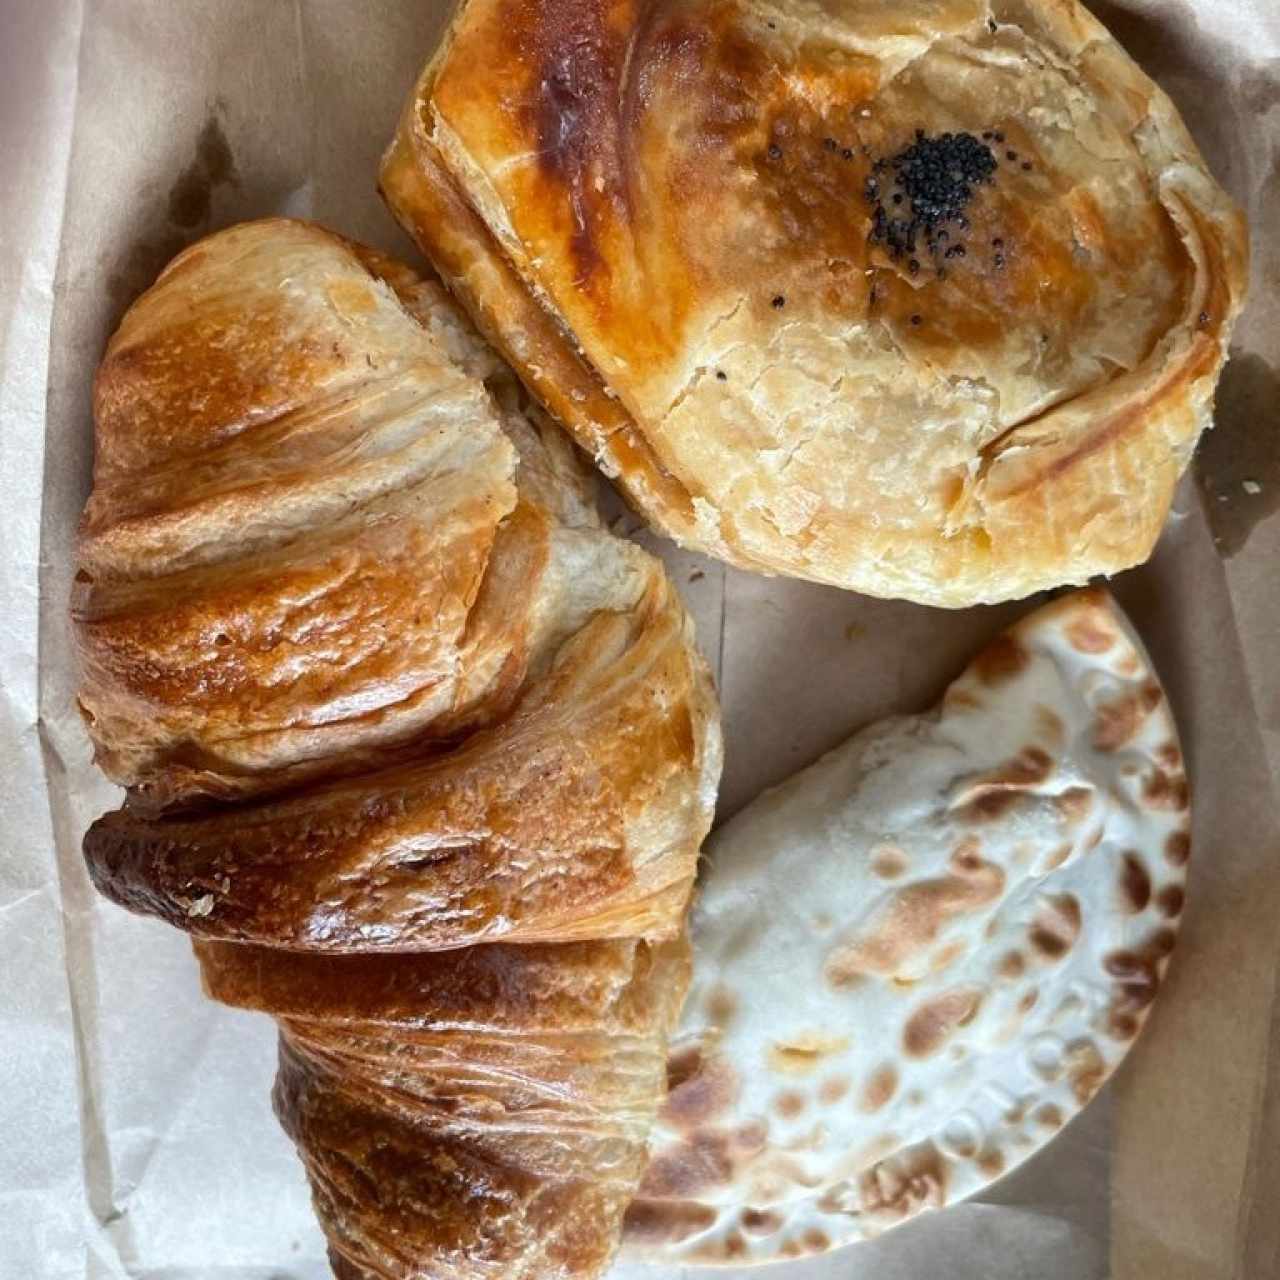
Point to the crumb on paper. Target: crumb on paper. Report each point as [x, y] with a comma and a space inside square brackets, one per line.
[201, 906]
[1251, 487]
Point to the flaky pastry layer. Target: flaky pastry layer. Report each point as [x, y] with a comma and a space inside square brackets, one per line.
[686, 226]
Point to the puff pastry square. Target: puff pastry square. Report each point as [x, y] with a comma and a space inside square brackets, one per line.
[923, 299]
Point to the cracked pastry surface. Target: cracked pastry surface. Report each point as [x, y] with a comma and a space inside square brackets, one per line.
[689, 226]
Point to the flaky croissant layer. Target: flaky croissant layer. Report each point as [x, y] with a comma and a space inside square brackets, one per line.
[418, 751]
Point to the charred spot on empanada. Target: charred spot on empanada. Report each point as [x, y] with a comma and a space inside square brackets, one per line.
[1002, 883]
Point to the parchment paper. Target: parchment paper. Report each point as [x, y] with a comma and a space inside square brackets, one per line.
[135, 1130]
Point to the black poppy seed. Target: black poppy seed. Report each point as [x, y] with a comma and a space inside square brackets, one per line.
[935, 179]
[917, 319]
[721, 375]
[830, 144]
[775, 151]
[1010, 155]
[986, 137]
[1203, 320]
[960, 250]
[992, 25]
[846, 153]
[998, 136]
[1026, 166]
[997, 243]
[778, 302]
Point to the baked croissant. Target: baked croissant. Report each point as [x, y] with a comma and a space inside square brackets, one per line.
[418, 751]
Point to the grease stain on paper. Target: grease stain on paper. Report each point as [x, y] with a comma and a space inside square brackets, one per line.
[191, 196]
[1238, 462]
[189, 206]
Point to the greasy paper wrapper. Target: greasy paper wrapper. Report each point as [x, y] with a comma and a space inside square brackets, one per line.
[138, 1138]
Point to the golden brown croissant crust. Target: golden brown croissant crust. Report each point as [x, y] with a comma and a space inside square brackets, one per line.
[533, 829]
[467, 1113]
[381, 688]
[924, 298]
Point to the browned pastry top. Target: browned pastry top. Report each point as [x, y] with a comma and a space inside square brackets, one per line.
[577, 817]
[334, 558]
[918, 298]
[381, 686]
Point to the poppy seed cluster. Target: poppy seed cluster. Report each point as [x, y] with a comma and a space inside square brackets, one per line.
[935, 179]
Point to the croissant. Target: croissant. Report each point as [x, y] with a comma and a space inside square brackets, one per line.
[418, 752]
